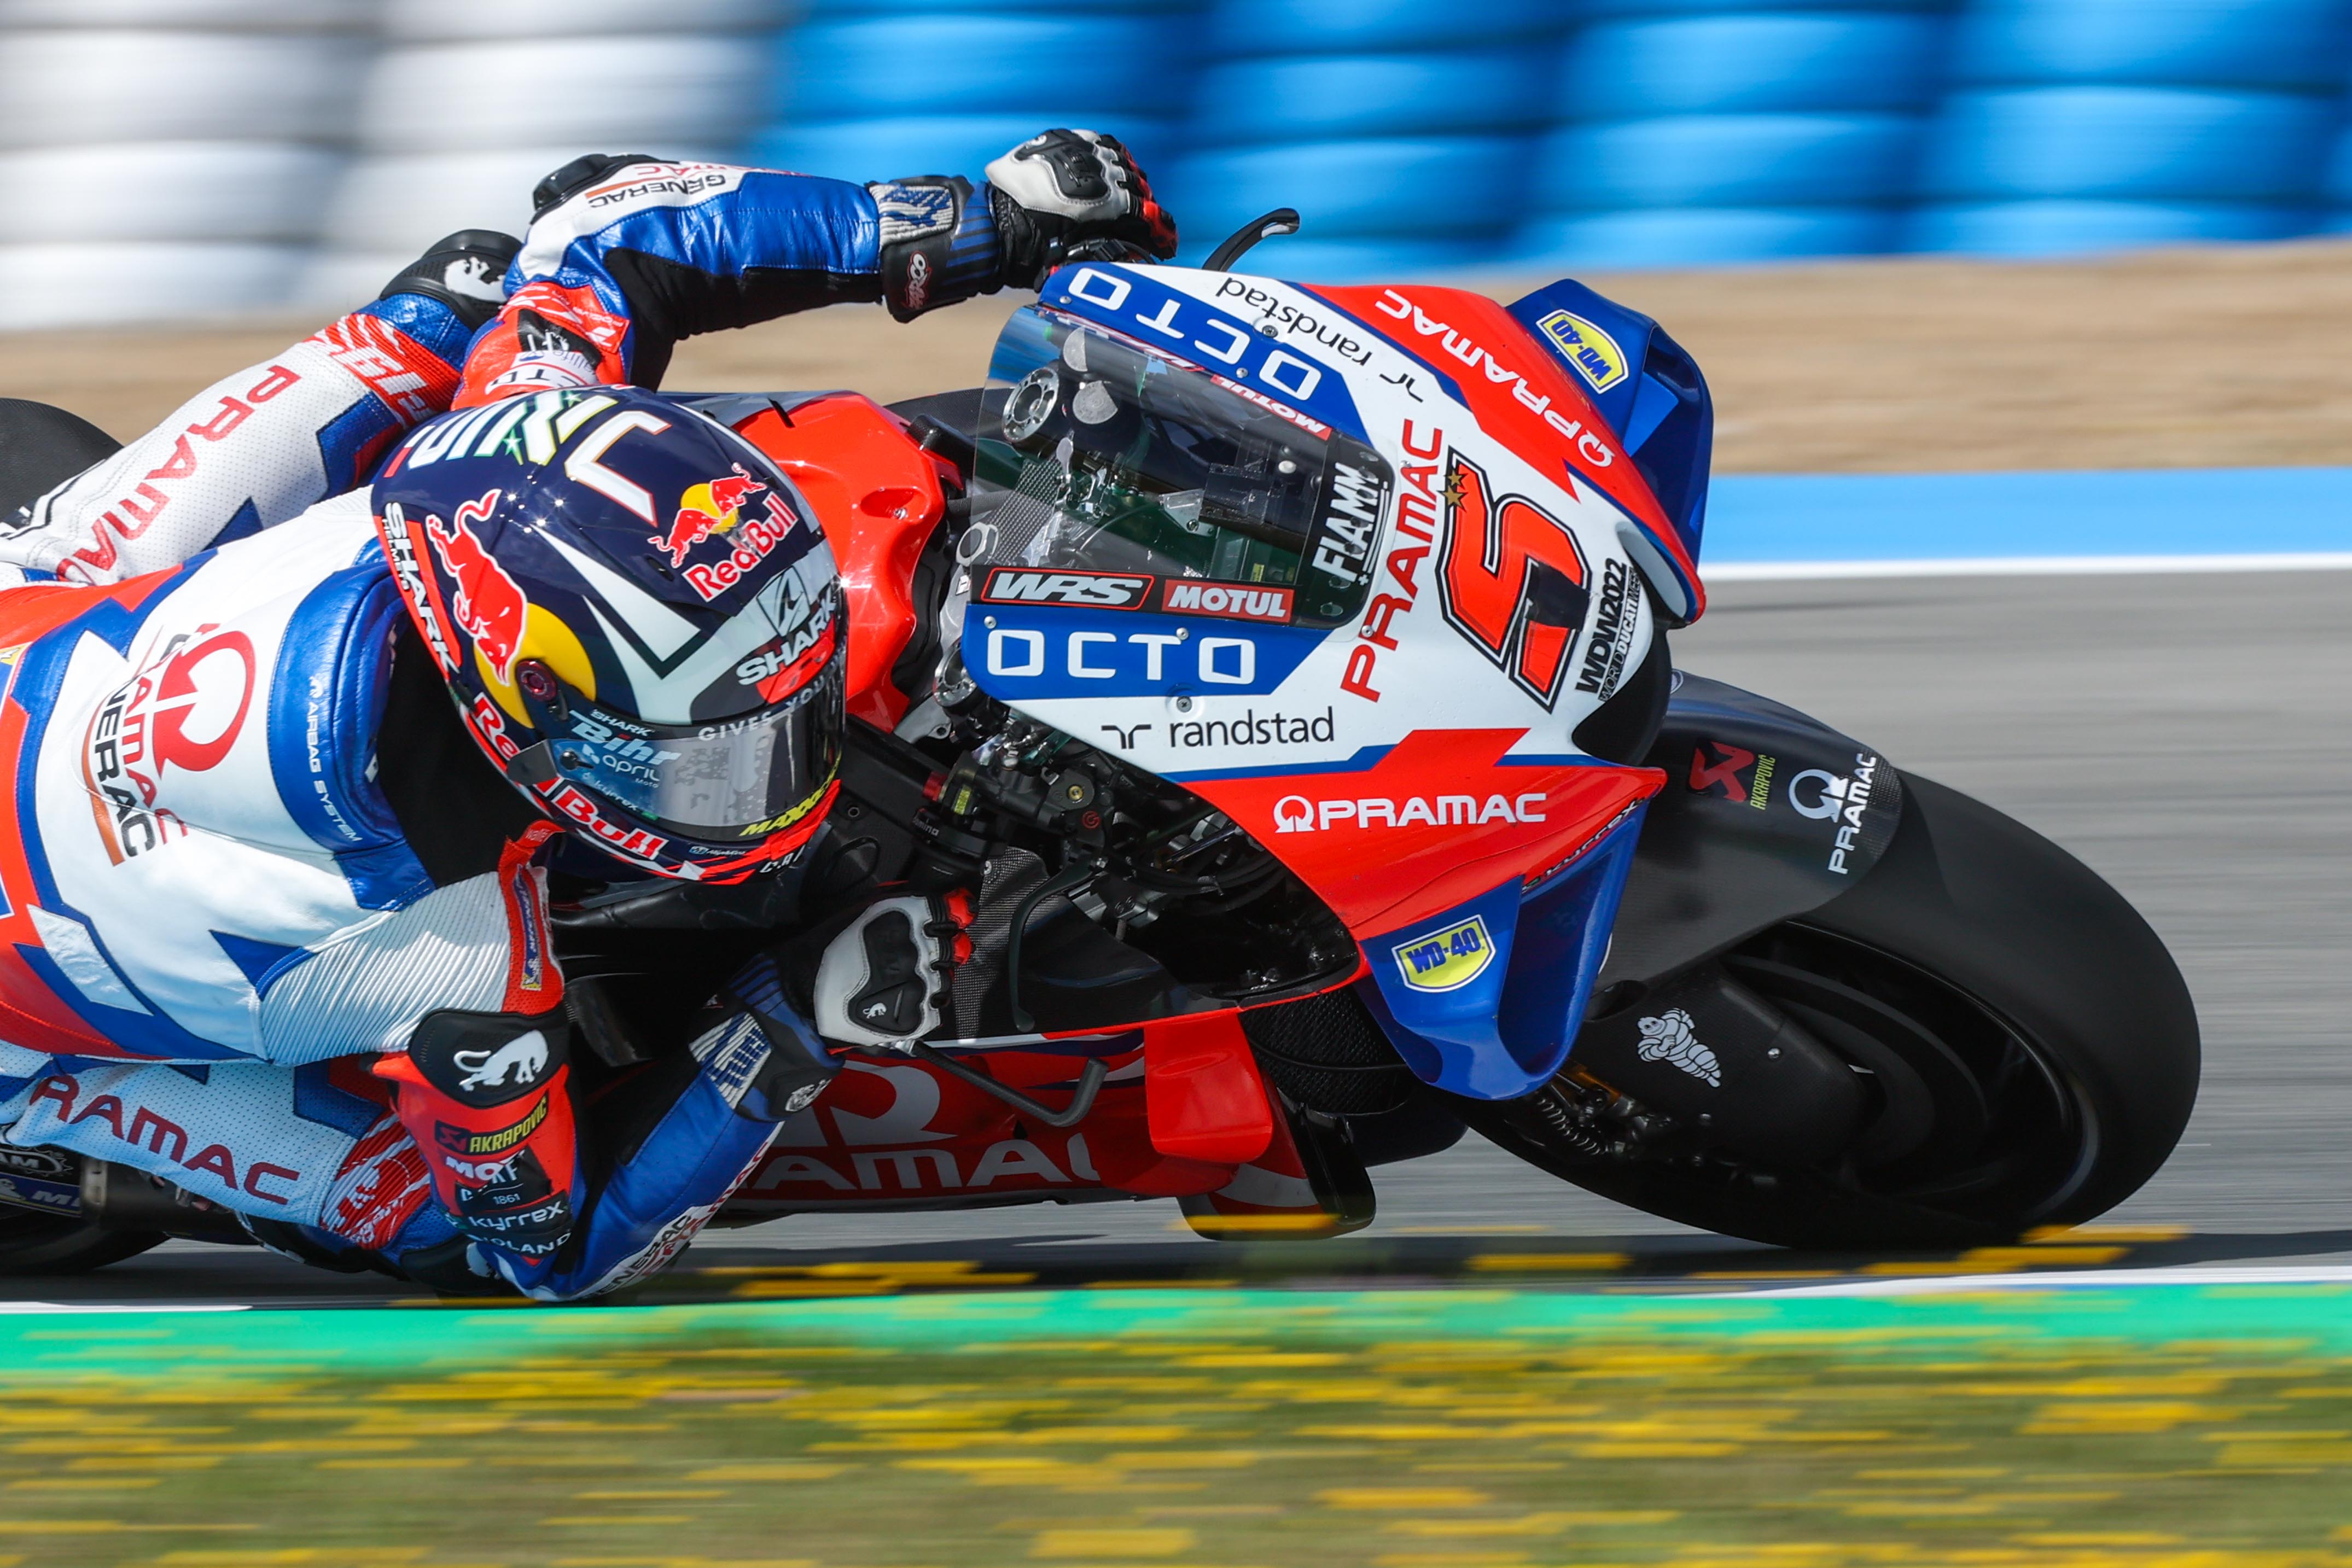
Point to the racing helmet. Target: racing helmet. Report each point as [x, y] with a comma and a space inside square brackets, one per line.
[637, 616]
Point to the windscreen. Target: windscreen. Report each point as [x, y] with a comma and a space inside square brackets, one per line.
[1099, 456]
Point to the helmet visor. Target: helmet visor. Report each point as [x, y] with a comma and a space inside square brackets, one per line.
[725, 781]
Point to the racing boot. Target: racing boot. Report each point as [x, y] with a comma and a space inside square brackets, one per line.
[465, 271]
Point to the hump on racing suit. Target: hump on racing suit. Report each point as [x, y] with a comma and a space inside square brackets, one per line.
[274, 930]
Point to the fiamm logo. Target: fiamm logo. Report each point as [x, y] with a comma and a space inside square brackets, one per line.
[1593, 353]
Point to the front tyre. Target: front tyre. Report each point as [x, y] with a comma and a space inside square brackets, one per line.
[2031, 1048]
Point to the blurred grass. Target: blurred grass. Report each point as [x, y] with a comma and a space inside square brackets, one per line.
[2151, 1428]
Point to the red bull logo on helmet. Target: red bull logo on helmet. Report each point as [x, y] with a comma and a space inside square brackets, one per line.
[488, 604]
[714, 508]
[753, 541]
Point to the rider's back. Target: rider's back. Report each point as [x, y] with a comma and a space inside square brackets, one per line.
[202, 859]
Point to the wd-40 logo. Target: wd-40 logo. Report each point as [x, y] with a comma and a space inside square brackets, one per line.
[1095, 590]
[183, 709]
[1446, 960]
[1594, 354]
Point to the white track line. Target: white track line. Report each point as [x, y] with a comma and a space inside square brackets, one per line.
[18, 1307]
[2087, 1279]
[2022, 566]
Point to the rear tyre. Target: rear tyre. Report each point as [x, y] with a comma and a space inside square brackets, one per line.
[2031, 1047]
[32, 1244]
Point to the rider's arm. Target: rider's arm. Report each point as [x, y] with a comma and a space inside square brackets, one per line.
[249, 452]
[627, 253]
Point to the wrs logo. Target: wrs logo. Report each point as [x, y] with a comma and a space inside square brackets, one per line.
[1092, 590]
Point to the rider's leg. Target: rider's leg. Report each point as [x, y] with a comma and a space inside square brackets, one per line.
[316, 1145]
[687, 1130]
[258, 447]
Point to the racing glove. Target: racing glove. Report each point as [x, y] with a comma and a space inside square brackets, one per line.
[889, 978]
[1073, 195]
[1061, 195]
[933, 967]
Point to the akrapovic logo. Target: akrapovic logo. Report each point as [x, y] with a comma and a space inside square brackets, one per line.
[1095, 590]
[465, 1141]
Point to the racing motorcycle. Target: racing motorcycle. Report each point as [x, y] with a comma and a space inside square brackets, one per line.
[1288, 668]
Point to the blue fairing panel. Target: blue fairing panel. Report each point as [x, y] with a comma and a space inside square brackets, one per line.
[1484, 999]
[1642, 384]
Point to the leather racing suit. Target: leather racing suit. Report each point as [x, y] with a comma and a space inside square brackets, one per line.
[272, 930]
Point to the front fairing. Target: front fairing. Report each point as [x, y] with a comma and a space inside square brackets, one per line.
[1411, 759]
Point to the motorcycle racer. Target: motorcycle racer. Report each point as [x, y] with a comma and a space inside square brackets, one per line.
[275, 909]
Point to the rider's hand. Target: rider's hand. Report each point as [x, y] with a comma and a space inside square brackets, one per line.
[1073, 195]
[887, 978]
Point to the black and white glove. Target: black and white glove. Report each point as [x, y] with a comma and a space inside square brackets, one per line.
[1073, 195]
[887, 979]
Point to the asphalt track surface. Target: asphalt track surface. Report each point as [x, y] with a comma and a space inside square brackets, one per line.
[2188, 735]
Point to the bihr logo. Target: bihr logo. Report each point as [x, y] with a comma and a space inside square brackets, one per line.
[1093, 590]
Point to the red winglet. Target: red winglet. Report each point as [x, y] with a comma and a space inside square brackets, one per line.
[1201, 1089]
